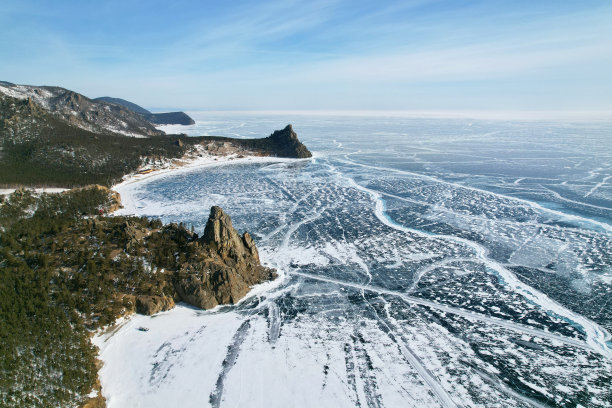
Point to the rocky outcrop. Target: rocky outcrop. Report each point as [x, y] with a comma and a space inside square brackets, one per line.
[226, 266]
[281, 143]
[287, 144]
[221, 237]
[149, 305]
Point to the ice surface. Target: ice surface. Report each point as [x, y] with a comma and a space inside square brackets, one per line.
[424, 263]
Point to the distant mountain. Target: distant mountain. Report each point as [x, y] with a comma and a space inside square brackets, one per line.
[167, 118]
[170, 118]
[68, 140]
[130, 105]
[78, 110]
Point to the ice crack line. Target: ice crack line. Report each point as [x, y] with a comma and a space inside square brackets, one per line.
[596, 336]
[456, 311]
[426, 375]
[601, 183]
[605, 226]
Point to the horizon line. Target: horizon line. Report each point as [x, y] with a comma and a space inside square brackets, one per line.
[527, 115]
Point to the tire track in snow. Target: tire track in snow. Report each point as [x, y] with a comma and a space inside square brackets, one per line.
[228, 363]
[351, 378]
[366, 374]
[275, 323]
[426, 375]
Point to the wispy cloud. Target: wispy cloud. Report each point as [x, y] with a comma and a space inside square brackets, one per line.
[323, 52]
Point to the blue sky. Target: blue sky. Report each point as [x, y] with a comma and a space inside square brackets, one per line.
[317, 55]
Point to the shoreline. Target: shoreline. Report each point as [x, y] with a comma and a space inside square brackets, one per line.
[126, 187]
[104, 339]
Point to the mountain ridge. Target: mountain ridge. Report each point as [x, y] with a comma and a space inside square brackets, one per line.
[162, 118]
[83, 112]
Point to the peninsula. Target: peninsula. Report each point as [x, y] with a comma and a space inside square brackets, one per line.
[54, 137]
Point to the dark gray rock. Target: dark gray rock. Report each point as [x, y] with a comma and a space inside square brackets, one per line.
[287, 144]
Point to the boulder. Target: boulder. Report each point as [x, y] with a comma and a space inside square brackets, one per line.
[149, 305]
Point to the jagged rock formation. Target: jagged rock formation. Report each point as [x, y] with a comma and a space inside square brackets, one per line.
[166, 118]
[80, 271]
[78, 110]
[228, 265]
[288, 145]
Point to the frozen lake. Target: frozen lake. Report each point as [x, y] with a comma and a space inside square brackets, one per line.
[424, 262]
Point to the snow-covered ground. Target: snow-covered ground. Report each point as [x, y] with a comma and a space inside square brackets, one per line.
[7, 191]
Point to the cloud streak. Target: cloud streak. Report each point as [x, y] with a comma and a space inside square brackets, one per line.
[336, 54]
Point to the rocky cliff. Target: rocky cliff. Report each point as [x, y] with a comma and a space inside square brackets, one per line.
[227, 267]
[288, 145]
[216, 269]
[68, 270]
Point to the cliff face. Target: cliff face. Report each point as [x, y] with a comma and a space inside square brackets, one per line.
[80, 271]
[227, 266]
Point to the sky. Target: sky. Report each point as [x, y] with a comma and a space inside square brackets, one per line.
[420, 55]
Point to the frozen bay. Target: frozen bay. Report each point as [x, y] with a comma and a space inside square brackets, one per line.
[425, 262]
